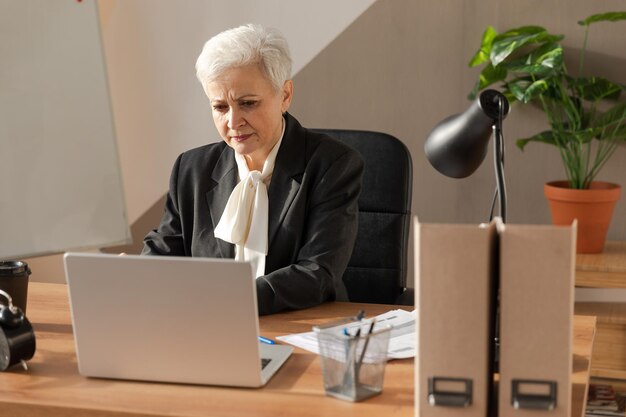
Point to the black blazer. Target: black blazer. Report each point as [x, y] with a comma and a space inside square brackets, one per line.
[312, 215]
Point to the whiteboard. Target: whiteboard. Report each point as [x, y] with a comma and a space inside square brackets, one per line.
[60, 182]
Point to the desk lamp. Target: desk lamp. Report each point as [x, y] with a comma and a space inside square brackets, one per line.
[458, 145]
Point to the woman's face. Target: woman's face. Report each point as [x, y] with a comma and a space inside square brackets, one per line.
[247, 111]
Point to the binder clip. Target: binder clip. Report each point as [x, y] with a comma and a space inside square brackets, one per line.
[17, 338]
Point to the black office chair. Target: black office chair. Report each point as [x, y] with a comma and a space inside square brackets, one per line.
[377, 270]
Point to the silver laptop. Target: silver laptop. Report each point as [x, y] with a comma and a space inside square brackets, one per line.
[168, 319]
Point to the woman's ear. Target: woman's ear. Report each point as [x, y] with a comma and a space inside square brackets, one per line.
[287, 95]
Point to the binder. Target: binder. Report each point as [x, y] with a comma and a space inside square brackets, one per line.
[454, 291]
[536, 312]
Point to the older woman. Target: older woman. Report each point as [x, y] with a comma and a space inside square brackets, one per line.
[272, 193]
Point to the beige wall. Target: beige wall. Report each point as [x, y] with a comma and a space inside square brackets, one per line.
[400, 68]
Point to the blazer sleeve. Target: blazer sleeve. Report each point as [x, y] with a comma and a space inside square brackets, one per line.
[327, 241]
[167, 239]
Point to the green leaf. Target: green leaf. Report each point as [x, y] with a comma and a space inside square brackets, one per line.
[482, 55]
[603, 17]
[507, 43]
[596, 88]
[612, 121]
[490, 75]
[534, 90]
[617, 135]
[509, 96]
[548, 55]
[529, 63]
[518, 87]
[566, 111]
[542, 62]
[586, 135]
[472, 95]
[546, 136]
[616, 113]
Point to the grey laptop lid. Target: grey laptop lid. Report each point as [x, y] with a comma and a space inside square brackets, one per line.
[168, 319]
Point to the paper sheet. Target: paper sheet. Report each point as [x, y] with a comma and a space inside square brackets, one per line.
[402, 340]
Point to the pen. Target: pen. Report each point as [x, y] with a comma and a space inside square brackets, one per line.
[266, 340]
[369, 333]
[358, 317]
[358, 364]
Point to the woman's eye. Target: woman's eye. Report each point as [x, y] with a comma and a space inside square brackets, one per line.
[248, 103]
[220, 108]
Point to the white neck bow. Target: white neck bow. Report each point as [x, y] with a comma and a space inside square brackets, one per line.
[246, 216]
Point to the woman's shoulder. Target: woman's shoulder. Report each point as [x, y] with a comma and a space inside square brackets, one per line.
[204, 154]
[315, 141]
[322, 144]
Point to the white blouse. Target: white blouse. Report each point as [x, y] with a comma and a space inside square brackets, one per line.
[245, 219]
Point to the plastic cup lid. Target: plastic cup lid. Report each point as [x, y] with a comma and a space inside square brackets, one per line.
[13, 269]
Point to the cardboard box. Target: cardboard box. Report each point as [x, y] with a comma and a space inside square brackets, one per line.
[454, 286]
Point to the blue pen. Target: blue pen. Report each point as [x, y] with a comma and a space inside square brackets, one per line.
[266, 340]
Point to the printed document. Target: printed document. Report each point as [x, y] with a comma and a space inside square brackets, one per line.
[402, 340]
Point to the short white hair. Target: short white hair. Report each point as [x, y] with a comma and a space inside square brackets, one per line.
[246, 45]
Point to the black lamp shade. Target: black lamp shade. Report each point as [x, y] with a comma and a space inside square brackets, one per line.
[458, 145]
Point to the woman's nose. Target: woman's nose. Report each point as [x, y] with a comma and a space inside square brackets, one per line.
[235, 119]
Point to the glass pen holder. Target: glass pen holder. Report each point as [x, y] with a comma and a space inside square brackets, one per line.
[353, 361]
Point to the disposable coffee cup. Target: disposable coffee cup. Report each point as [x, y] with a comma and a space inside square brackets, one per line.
[14, 281]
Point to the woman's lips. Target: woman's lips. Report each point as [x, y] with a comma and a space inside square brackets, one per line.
[240, 138]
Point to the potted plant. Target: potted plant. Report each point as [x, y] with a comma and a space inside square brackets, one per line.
[587, 119]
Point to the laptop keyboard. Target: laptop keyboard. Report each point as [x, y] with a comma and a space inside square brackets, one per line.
[264, 362]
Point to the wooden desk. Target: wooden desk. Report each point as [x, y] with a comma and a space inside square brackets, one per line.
[52, 386]
[606, 271]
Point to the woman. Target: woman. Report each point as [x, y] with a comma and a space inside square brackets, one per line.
[272, 193]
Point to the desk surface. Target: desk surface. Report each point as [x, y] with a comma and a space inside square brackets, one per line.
[52, 386]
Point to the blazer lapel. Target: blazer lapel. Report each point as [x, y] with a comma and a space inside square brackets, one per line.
[287, 176]
[223, 181]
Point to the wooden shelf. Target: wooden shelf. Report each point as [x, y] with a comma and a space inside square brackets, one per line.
[610, 360]
[605, 270]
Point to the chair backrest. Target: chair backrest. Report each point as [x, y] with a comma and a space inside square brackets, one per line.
[377, 270]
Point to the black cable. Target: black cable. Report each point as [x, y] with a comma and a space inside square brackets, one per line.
[493, 204]
[499, 160]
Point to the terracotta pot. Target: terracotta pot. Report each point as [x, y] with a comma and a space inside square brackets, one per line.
[592, 207]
